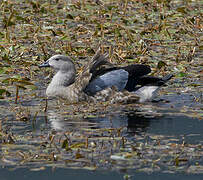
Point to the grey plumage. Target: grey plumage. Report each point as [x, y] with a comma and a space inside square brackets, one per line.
[101, 81]
[65, 85]
[117, 78]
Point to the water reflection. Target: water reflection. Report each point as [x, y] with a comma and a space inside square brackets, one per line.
[141, 122]
[135, 122]
[138, 123]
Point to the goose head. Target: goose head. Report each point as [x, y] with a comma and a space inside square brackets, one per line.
[60, 63]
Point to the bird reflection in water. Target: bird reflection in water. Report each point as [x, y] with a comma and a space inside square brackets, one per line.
[135, 122]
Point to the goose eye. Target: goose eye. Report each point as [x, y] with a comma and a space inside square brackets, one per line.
[57, 59]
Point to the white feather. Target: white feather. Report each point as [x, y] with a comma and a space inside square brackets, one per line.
[147, 93]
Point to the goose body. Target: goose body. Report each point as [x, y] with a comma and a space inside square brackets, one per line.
[101, 78]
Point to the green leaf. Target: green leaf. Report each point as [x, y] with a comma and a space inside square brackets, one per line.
[32, 87]
[4, 92]
[161, 64]
[117, 32]
[201, 47]
[181, 74]
[69, 16]
[64, 144]
[78, 145]
[182, 10]
[20, 18]
[1, 35]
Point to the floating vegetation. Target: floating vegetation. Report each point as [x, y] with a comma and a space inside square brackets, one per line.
[165, 34]
[105, 148]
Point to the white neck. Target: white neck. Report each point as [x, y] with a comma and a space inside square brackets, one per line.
[63, 78]
[59, 82]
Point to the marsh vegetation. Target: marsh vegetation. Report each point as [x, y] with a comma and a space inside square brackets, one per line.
[165, 34]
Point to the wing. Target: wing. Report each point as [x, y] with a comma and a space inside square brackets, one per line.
[151, 80]
[84, 78]
[117, 78]
[135, 72]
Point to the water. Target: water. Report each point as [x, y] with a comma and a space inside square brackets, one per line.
[166, 125]
[50, 174]
[166, 136]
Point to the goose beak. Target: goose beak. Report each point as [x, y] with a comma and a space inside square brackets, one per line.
[45, 64]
